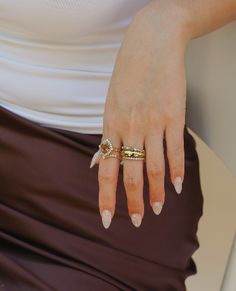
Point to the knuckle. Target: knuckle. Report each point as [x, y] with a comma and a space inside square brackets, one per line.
[131, 182]
[133, 124]
[154, 118]
[155, 170]
[169, 115]
[174, 117]
[176, 151]
[110, 123]
[176, 161]
[134, 119]
[105, 178]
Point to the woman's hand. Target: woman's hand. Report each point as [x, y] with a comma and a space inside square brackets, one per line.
[144, 104]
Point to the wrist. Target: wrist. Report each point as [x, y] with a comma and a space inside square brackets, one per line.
[193, 19]
[173, 21]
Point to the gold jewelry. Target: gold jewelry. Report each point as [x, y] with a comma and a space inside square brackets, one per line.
[107, 150]
[132, 153]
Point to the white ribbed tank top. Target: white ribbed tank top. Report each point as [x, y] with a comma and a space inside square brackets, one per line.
[57, 57]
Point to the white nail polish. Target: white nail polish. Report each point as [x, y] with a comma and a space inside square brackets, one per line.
[178, 184]
[136, 219]
[95, 158]
[106, 218]
[157, 207]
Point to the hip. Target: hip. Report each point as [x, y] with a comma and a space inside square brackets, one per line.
[49, 202]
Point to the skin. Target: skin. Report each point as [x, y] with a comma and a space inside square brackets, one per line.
[146, 99]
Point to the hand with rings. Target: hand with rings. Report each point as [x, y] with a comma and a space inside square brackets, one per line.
[145, 104]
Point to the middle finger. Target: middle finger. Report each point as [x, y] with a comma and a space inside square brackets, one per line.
[133, 183]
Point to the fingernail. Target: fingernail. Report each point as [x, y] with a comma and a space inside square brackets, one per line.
[106, 218]
[94, 158]
[136, 219]
[178, 184]
[157, 207]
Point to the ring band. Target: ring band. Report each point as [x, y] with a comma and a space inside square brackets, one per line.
[132, 153]
[107, 150]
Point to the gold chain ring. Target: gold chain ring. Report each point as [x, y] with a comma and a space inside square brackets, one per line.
[132, 153]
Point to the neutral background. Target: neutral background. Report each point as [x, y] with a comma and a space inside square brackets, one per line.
[218, 223]
[211, 101]
[211, 118]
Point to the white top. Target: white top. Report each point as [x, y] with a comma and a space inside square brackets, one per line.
[57, 57]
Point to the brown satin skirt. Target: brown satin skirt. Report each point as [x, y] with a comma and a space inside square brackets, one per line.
[51, 233]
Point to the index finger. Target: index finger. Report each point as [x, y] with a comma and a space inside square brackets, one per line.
[108, 170]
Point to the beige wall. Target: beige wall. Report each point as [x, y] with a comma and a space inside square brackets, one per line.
[218, 223]
[211, 114]
[211, 83]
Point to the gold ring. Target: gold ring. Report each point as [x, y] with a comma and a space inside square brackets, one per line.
[132, 153]
[107, 150]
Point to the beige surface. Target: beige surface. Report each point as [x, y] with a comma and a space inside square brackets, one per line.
[211, 114]
[229, 280]
[218, 223]
[211, 80]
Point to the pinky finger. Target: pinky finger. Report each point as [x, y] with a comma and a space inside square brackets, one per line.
[175, 153]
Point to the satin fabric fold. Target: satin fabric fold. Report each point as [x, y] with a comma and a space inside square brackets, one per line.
[51, 233]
